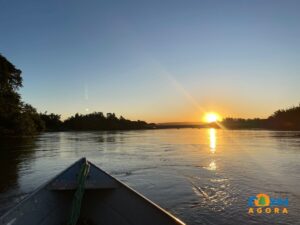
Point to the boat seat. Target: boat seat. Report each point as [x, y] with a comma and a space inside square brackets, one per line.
[96, 179]
[65, 185]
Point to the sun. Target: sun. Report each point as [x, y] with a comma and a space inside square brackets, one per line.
[211, 117]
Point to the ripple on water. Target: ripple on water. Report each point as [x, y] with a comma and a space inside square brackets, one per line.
[177, 169]
[211, 194]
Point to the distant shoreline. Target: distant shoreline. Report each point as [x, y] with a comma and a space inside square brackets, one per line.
[144, 129]
[162, 127]
[18, 118]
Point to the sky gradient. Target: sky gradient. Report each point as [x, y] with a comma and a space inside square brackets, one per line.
[158, 61]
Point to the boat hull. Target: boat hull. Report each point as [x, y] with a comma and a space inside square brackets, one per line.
[106, 201]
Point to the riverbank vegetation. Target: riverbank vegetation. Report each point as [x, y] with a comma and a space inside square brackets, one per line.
[284, 119]
[18, 118]
[92, 121]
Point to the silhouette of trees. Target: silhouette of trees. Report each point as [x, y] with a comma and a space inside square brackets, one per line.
[239, 123]
[52, 121]
[97, 121]
[16, 117]
[285, 119]
[92, 121]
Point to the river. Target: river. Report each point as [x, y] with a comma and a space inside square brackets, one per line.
[202, 176]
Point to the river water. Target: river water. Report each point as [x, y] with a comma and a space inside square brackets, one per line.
[202, 176]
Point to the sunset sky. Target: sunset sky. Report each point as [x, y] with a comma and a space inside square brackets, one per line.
[158, 61]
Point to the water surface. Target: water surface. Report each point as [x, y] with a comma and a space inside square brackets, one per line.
[203, 176]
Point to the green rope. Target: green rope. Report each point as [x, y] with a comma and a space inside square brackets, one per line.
[76, 203]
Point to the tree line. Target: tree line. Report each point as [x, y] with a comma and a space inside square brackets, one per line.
[92, 121]
[283, 119]
[18, 118]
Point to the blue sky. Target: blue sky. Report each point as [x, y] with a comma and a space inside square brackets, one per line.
[155, 60]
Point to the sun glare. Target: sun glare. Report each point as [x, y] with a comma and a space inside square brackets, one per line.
[211, 117]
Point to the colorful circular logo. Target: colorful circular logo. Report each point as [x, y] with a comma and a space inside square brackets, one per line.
[262, 200]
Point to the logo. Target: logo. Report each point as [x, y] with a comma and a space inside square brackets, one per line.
[263, 203]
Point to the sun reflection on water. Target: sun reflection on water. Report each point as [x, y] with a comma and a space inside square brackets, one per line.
[212, 165]
[212, 140]
[212, 147]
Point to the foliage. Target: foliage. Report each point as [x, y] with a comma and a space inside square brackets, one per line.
[92, 121]
[52, 121]
[239, 123]
[285, 119]
[16, 117]
[97, 121]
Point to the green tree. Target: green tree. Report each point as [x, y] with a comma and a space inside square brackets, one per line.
[285, 119]
[52, 121]
[16, 117]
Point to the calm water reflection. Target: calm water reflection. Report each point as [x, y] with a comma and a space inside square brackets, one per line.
[204, 176]
[212, 140]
